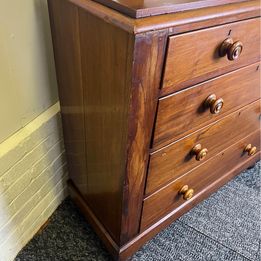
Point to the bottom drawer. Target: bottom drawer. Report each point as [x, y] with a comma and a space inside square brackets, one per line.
[200, 179]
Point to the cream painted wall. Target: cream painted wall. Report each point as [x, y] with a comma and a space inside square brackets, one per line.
[27, 74]
[33, 170]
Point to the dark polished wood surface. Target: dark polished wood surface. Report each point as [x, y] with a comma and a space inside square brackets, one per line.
[110, 70]
[63, 18]
[106, 95]
[164, 201]
[175, 23]
[183, 112]
[146, 69]
[144, 8]
[124, 252]
[176, 159]
[98, 227]
[98, 108]
[195, 55]
[117, 111]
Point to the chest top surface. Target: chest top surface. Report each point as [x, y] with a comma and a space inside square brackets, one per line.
[145, 8]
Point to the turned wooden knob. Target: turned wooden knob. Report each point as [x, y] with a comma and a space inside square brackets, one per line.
[214, 104]
[186, 192]
[250, 150]
[199, 152]
[231, 49]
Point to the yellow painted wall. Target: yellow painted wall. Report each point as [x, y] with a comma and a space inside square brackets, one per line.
[27, 74]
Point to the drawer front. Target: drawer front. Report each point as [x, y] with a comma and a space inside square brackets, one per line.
[194, 57]
[200, 179]
[176, 159]
[184, 112]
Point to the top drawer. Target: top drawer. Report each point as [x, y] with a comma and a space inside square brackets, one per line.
[195, 57]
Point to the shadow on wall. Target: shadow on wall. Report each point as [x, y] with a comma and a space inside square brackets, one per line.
[43, 25]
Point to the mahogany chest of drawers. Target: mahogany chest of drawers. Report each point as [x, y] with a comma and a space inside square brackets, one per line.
[160, 102]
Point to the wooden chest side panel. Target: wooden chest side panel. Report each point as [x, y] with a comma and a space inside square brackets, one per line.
[94, 60]
[115, 79]
[106, 58]
[65, 34]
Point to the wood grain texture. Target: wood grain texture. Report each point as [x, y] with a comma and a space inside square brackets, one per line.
[106, 95]
[151, 231]
[117, 78]
[109, 70]
[143, 8]
[200, 18]
[123, 253]
[175, 23]
[184, 112]
[146, 75]
[106, 14]
[174, 160]
[65, 29]
[95, 105]
[200, 49]
[164, 201]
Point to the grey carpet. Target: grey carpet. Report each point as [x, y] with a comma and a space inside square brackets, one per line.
[225, 227]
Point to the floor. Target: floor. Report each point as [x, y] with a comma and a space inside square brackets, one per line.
[224, 227]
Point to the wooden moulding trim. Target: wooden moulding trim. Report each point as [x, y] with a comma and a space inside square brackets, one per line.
[131, 247]
[177, 22]
[107, 14]
[94, 222]
[200, 18]
[158, 9]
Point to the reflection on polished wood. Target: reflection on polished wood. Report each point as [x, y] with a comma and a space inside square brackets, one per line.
[195, 55]
[201, 179]
[141, 99]
[144, 8]
[182, 113]
[175, 159]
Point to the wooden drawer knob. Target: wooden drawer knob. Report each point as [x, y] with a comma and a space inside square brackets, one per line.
[231, 49]
[186, 192]
[214, 104]
[250, 150]
[200, 152]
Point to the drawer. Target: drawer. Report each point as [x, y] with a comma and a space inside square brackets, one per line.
[176, 159]
[201, 179]
[185, 111]
[194, 57]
